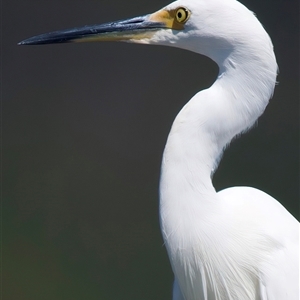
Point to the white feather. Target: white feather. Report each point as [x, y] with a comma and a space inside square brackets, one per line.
[240, 243]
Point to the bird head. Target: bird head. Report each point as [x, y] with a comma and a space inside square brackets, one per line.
[209, 27]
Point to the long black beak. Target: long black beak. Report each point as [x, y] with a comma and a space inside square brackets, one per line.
[134, 29]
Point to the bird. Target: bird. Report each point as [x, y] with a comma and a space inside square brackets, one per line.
[238, 243]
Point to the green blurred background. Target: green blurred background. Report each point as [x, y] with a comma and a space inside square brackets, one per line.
[84, 127]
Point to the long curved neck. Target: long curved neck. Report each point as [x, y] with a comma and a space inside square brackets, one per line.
[208, 122]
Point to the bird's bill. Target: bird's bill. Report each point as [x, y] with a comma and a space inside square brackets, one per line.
[133, 29]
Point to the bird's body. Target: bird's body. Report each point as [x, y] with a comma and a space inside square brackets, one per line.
[237, 260]
[227, 245]
[239, 243]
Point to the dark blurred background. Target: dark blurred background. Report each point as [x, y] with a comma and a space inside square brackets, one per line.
[84, 128]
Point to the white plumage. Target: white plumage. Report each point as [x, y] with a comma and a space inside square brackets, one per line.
[239, 243]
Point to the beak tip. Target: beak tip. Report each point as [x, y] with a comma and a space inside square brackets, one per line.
[25, 42]
[33, 41]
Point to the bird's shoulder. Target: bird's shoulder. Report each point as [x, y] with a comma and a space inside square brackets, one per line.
[269, 234]
[257, 211]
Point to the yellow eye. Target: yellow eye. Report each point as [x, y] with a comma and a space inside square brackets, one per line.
[182, 14]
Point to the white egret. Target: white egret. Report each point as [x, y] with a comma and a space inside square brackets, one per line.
[239, 243]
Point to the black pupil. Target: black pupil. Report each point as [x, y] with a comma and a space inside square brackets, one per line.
[179, 14]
